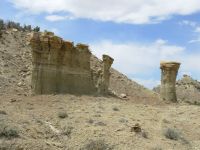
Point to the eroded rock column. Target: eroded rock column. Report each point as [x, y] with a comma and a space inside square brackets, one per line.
[107, 62]
[169, 71]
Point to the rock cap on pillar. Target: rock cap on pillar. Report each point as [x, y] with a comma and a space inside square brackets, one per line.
[107, 58]
[170, 64]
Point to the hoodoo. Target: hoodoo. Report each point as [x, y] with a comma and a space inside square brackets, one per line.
[169, 71]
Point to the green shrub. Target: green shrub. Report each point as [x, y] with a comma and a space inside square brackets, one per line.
[171, 134]
[8, 132]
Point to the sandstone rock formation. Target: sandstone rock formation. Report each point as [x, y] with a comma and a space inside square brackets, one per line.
[169, 71]
[107, 62]
[188, 89]
[61, 67]
[16, 71]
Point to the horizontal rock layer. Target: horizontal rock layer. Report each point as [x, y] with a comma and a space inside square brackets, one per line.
[61, 67]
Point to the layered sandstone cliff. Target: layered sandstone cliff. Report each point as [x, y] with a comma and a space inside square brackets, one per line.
[61, 67]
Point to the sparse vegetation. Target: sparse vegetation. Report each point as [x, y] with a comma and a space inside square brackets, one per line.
[62, 115]
[123, 120]
[193, 103]
[144, 134]
[10, 145]
[157, 148]
[97, 145]
[91, 121]
[11, 24]
[115, 109]
[8, 131]
[100, 123]
[67, 130]
[36, 29]
[197, 103]
[172, 134]
[3, 112]
[1, 24]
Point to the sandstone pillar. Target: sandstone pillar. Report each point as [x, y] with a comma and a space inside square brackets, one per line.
[169, 71]
[107, 62]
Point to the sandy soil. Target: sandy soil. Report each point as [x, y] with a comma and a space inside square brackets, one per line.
[36, 118]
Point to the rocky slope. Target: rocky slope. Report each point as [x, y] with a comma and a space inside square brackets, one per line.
[15, 69]
[188, 89]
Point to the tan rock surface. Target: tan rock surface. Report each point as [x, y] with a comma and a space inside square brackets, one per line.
[169, 71]
[60, 67]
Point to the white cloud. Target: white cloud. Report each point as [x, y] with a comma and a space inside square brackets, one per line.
[142, 60]
[196, 29]
[133, 58]
[196, 40]
[54, 18]
[123, 11]
[188, 23]
[57, 18]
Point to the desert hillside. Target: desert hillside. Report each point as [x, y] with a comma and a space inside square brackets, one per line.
[15, 67]
[141, 121]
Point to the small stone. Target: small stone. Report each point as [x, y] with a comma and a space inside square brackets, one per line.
[123, 120]
[100, 124]
[3, 112]
[13, 100]
[136, 128]
[19, 84]
[123, 95]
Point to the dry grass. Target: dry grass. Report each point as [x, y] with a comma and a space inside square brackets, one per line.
[172, 134]
[97, 145]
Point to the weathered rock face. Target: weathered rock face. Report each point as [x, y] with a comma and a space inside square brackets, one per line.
[188, 89]
[61, 67]
[169, 71]
[107, 62]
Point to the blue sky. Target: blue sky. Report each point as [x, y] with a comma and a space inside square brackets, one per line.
[138, 34]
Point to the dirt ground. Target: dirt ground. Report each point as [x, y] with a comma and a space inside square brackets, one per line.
[69, 122]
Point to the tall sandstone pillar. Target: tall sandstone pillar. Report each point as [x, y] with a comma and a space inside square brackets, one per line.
[169, 71]
[107, 62]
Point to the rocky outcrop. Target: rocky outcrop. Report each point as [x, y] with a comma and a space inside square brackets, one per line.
[107, 62]
[169, 71]
[188, 89]
[61, 67]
